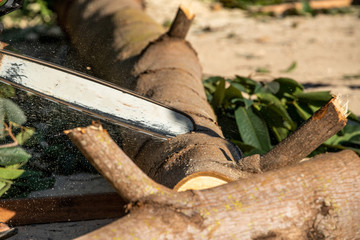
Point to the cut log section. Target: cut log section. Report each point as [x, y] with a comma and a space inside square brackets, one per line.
[279, 9]
[61, 209]
[201, 180]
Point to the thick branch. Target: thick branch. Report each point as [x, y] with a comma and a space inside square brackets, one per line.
[113, 37]
[181, 23]
[99, 149]
[317, 199]
[279, 9]
[326, 122]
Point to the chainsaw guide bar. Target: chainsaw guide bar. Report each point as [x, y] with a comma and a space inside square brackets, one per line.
[93, 96]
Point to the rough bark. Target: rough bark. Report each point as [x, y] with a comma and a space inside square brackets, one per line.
[317, 199]
[124, 46]
[309, 201]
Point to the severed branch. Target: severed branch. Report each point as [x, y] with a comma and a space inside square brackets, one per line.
[326, 122]
[181, 24]
[316, 199]
[99, 149]
[279, 9]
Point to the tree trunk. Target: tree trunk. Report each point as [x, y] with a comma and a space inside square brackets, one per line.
[309, 201]
[317, 199]
[124, 46]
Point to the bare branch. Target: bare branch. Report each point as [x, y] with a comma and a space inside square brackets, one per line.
[181, 23]
[98, 148]
[326, 122]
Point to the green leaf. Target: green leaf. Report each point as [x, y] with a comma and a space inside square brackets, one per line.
[12, 111]
[232, 93]
[305, 115]
[4, 186]
[219, 95]
[275, 104]
[253, 129]
[247, 102]
[272, 87]
[291, 68]
[288, 85]
[247, 85]
[276, 123]
[314, 98]
[25, 135]
[280, 133]
[13, 155]
[8, 173]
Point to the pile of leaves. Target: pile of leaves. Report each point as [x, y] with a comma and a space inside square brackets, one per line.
[258, 115]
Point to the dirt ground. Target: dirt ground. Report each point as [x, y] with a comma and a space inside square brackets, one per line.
[326, 49]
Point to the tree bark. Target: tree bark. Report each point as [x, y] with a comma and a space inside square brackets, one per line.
[317, 199]
[124, 46]
[309, 201]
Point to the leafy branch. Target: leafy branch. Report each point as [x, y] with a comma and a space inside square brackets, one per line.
[258, 115]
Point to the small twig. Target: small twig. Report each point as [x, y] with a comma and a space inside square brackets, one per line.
[326, 122]
[181, 24]
[11, 135]
[130, 182]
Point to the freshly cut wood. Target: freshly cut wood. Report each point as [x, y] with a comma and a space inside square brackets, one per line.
[201, 180]
[61, 208]
[279, 9]
[326, 122]
[317, 199]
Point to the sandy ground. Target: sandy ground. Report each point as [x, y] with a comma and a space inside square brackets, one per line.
[325, 48]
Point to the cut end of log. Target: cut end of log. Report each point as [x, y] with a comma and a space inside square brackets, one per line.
[342, 106]
[187, 12]
[201, 180]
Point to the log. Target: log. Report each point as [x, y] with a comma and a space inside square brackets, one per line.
[279, 9]
[325, 123]
[124, 46]
[61, 208]
[317, 199]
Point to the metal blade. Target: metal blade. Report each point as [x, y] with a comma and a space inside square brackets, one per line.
[93, 96]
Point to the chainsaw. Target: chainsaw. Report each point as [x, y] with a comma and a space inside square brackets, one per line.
[89, 94]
